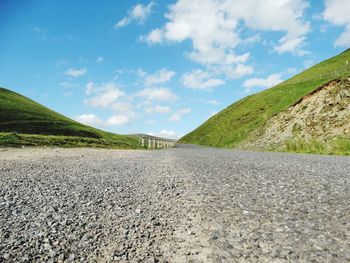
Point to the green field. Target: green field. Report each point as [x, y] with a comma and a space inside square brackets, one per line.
[25, 122]
[34, 140]
[232, 125]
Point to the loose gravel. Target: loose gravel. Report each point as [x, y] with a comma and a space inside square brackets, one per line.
[188, 204]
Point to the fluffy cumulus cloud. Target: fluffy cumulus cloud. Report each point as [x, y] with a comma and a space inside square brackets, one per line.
[177, 116]
[337, 13]
[268, 82]
[237, 71]
[213, 26]
[204, 23]
[76, 72]
[110, 96]
[91, 88]
[154, 37]
[159, 77]
[90, 119]
[93, 120]
[118, 120]
[138, 13]
[270, 15]
[157, 94]
[199, 79]
[105, 95]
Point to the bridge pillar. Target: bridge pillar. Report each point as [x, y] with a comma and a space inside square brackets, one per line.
[151, 142]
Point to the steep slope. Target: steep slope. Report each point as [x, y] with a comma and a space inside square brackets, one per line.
[24, 116]
[234, 124]
[319, 122]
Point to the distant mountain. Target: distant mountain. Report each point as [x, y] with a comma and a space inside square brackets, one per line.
[24, 116]
[234, 125]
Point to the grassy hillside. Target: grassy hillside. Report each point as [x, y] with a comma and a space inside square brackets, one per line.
[232, 125]
[21, 115]
[318, 123]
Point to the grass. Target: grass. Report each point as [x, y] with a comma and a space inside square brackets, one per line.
[232, 125]
[35, 140]
[338, 146]
[26, 122]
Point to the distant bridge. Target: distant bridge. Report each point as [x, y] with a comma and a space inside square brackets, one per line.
[153, 142]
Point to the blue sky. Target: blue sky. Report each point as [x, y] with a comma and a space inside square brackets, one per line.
[160, 67]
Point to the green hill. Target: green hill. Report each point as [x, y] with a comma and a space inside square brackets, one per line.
[232, 125]
[26, 122]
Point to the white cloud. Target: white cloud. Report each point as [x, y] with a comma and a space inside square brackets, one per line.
[90, 88]
[154, 37]
[292, 45]
[106, 94]
[337, 13]
[213, 26]
[251, 40]
[269, 15]
[205, 24]
[110, 97]
[138, 13]
[93, 120]
[141, 73]
[158, 109]
[237, 71]
[125, 107]
[177, 116]
[159, 94]
[268, 82]
[99, 59]
[90, 119]
[118, 120]
[76, 72]
[199, 79]
[161, 76]
[169, 134]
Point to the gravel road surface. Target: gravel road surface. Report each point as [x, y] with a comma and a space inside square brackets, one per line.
[188, 204]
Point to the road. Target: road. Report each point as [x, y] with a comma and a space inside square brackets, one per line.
[188, 204]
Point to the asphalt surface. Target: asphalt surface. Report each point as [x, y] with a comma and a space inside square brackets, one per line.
[187, 204]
